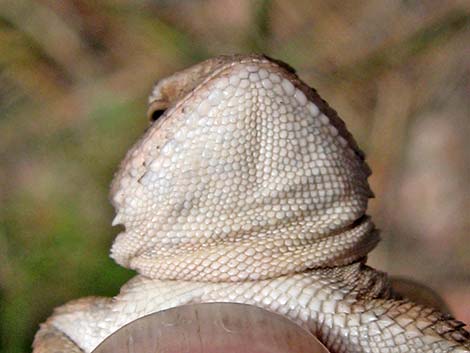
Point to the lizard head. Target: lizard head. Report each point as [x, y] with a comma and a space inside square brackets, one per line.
[245, 174]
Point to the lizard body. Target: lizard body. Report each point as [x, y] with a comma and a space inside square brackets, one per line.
[248, 188]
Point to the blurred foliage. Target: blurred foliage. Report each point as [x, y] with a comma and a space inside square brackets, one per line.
[74, 75]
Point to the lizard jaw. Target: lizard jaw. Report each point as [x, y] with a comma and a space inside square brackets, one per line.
[248, 165]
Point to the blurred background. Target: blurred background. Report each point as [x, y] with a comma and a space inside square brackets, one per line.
[74, 77]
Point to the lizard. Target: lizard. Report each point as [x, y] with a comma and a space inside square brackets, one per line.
[247, 187]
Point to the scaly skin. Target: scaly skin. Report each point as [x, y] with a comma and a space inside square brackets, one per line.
[250, 189]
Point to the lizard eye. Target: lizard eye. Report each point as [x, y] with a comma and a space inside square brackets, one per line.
[156, 109]
[156, 114]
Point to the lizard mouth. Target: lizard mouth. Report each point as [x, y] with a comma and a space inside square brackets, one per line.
[247, 167]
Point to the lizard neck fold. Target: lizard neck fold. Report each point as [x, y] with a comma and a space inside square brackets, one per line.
[265, 254]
